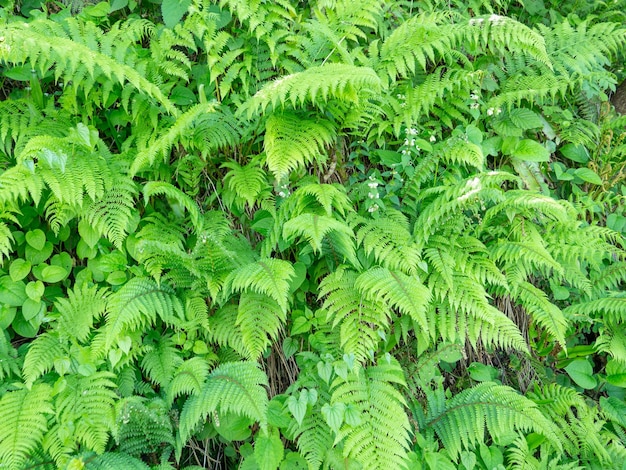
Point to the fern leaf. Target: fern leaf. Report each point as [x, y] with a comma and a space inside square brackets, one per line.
[260, 319]
[143, 426]
[162, 145]
[397, 290]
[291, 141]
[314, 228]
[153, 188]
[545, 313]
[362, 320]
[380, 439]
[247, 181]
[42, 354]
[78, 311]
[188, 378]
[234, 387]
[24, 420]
[461, 422]
[107, 461]
[42, 44]
[137, 304]
[316, 85]
[161, 360]
[88, 402]
[613, 308]
[268, 276]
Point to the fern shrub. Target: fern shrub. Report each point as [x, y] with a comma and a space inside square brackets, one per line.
[327, 234]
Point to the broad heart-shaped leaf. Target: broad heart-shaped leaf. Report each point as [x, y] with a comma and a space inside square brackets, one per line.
[297, 407]
[36, 238]
[12, 293]
[19, 269]
[588, 175]
[530, 151]
[333, 414]
[576, 153]
[173, 11]
[581, 372]
[268, 449]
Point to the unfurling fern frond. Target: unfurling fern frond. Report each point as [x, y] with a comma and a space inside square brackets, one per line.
[233, 387]
[292, 141]
[460, 422]
[137, 304]
[377, 433]
[25, 416]
[316, 85]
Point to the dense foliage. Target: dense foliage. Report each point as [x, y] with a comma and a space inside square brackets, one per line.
[329, 234]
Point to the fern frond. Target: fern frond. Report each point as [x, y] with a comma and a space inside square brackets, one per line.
[153, 188]
[316, 85]
[108, 461]
[380, 438]
[137, 304]
[42, 353]
[161, 146]
[142, 426]
[396, 289]
[234, 387]
[78, 311]
[260, 319]
[188, 378]
[25, 416]
[420, 39]
[267, 276]
[331, 197]
[545, 313]
[225, 332]
[246, 182]
[111, 213]
[389, 241]
[314, 228]
[361, 320]
[44, 44]
[161, 359]
[292, 141]
[460, 422]
[612, 309]
[88, 402]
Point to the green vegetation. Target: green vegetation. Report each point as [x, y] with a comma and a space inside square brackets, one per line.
[299, 235]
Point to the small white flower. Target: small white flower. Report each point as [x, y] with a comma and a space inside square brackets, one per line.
[498, 111]
[490, 112]
[371, 195]
[433, 138]
[281, 194]
[474, 106]
[474, 97]
[373, 185]
[417, 149]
